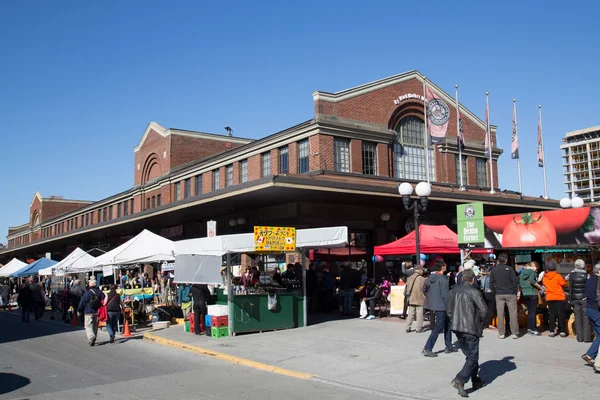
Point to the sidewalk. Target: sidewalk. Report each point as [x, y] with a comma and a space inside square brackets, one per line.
[379, 356]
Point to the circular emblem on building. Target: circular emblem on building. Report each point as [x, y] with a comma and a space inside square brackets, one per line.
[469, 212]
[439, 112]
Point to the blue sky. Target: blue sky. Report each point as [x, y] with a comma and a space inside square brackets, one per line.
[79, 82]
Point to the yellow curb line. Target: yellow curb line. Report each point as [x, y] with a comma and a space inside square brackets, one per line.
[226, 357]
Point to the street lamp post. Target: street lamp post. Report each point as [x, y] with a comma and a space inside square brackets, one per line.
[423, 190]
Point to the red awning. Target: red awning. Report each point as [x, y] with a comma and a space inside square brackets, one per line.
[337, 254]
[433, 239]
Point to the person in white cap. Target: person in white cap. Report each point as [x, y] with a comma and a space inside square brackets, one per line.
[90, 303]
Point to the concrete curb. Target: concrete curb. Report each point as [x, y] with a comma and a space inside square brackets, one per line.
[150, 337]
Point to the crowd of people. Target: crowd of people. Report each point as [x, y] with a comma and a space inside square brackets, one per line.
[465, 304]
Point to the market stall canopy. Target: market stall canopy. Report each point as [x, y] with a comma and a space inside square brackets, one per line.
[433, 239]
[244, 243]
[143, 248]
[337, 254]
[34, 268]
[76, 262]
[13, 266]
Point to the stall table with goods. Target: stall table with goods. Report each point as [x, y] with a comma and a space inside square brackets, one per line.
[265, 305]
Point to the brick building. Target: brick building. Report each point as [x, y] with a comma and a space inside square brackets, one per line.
[342, 166]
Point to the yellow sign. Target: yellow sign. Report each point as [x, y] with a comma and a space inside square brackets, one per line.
[274, 238]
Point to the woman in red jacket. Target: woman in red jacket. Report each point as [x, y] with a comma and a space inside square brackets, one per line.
[555, 297]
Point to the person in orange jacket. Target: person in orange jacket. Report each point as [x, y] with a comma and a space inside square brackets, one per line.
[555, 297]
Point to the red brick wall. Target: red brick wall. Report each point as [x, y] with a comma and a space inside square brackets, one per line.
[51, 209]
[382, 160]
[254, 167]
[151, 157]
[185, 149]
[326, 152]
[236, 173]
[293, 158]
[207, 182]
[275, 162]
[222, 172]
[356, 156]
[314, 153]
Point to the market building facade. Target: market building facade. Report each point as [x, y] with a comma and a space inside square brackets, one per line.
[341, 167]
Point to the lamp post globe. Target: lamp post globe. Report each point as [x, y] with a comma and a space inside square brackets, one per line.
[423, 189]
[405, 189]
[565, 202]
[576, 202]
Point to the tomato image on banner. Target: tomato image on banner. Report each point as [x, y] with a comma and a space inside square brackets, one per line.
[529, 230]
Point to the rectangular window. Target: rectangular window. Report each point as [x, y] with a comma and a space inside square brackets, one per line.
[153, 201]
[266, 164]
[87, 219]
[126, 207]
[198, 184]
[284, 161]
[369, 157]
[131, 206]
[158, 200]
[229, 175]
[82, 221]
[216, 175]
[243, 171]
[341, 155]
[104, 214]
[76, 222]
[147, 203]
[110, 213]
[118, 210]
[188, 187]
[303, 156]
[464, 170]
[481, 172]
[178, 191]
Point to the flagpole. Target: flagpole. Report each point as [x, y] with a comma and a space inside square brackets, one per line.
[426, 136]
[490, 146]
[543, 153]
[518, 155]
[459, 141]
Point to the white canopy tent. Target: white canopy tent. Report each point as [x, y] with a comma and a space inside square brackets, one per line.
[143, 248]
[77, 262]
[13, 266]
[207, 249]
[306, 239]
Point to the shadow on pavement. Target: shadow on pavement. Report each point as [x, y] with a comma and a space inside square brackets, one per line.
[34, 329]
[11, 382]
[493, 369]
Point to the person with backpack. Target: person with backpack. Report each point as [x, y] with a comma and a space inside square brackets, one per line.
[114, 307]
[90, 302]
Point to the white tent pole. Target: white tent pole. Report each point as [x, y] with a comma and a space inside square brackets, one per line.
[229, 296]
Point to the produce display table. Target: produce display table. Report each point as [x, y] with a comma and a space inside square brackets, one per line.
[251, 312]
[136, 294]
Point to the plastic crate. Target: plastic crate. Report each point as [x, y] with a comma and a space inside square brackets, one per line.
[208, 321]
[220, 321]
[219, 332]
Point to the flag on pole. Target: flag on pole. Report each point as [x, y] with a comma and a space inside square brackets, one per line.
[540, 143]
[438, 115]
[514, 148]
[488, 133]
[461, 139]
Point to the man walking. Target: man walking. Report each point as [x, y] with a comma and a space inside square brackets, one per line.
[436, 289]
[90, 303]
[592, 295]
[466, 310]
[504, 281]
[25, 300]
[416, 299]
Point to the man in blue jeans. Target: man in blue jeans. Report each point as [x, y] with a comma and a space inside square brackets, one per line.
[436, 289]
[592, 289]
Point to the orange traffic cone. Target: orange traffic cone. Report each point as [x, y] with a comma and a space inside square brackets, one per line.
[126, 332]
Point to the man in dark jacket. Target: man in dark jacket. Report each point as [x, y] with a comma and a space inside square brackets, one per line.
[25, 301]
[90, 303]
[347, 285]
[4, 296]
[373, 296]
[436, 289]
[75, 293]
[466, 310]
[504, 283]
[201, 296]
[578, 278]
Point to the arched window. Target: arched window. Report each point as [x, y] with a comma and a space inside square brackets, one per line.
[409, 151]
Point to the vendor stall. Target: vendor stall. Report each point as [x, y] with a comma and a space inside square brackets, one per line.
[33, 268]
[13, 266]
[265, 305]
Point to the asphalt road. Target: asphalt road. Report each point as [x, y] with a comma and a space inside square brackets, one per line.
[48, 360]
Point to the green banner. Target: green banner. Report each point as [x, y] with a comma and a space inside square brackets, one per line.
[470, 225]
